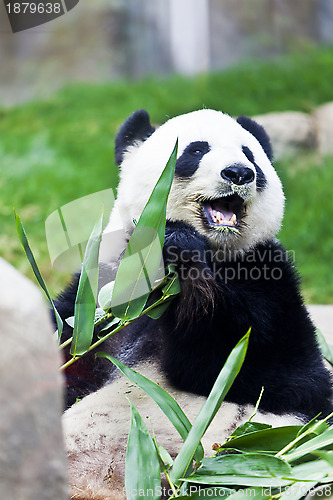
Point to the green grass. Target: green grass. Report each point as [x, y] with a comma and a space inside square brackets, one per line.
[57, 150]
[307, 228]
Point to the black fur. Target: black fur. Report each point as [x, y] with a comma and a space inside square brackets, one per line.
[136, 128]
[188, 163]
[261, 180]
[258, 132]
[220, 301]
[260, 291]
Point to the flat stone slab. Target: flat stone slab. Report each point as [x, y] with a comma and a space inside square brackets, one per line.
[322, 317]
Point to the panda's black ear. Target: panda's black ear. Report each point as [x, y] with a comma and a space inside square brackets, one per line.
[137, 127]
[259, 133]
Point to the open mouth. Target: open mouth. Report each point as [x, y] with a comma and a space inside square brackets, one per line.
[224, 212]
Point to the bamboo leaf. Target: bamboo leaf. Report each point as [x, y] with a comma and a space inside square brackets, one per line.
[25, 244]
[99, 315]
[314, 426]
[164, 458]
[267, 440]
[85, 302]
[259, 493]
[326, 349]
[265, 482]
[211, 493]
[142, 468]
[70, 321]
[325, 455]
[297, 491]
[312, 469]
[112, 323]
[316, 443]
[105, 296]
[172, 287]
[209, 409]
[158, 310]
[249, 427]
[315, 470]
[142, 264]
[167, 404]
[250, 464]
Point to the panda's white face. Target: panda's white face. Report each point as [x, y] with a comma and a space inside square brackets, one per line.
[225, 185]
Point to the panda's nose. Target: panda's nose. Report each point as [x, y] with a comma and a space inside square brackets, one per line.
[238, 174]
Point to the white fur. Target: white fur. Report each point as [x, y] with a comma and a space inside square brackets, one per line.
[96, 430]
[144, 162]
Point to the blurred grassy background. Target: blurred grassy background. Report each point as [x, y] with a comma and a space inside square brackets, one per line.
[60, 149]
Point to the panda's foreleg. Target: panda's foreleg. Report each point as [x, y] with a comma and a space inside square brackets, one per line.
[183, 244]
[189, 348]
[191, 253]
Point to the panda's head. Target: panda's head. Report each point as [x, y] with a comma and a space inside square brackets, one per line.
[225, 185]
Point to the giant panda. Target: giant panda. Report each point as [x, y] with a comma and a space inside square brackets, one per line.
[223, 213]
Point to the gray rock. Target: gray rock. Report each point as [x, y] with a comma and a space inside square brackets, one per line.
[322, 316]
[323, 117]
[32, 458]
[290, 131]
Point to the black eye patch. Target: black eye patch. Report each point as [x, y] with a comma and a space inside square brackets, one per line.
[248, 153]
[189, 161]
[261, 178]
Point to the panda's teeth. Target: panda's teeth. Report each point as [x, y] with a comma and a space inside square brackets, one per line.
[231, 222]
[218, 216]
[220, 219]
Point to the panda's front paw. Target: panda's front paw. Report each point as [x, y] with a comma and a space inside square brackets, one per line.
[184, 245]
[190, 252]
